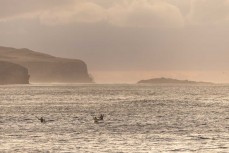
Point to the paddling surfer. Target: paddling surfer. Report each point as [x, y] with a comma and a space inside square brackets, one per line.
[101, 116]
[96, 120]
[41, 119]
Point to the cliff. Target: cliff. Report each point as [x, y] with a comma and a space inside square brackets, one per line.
[13, 74]
[169, 80]
[44, 68]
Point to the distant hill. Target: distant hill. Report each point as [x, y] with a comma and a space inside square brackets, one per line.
[44, 68]
[169, 80]
[13, 74]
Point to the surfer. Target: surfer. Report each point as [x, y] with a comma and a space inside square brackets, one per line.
[41, 119]
[101, 116]
[96, 120]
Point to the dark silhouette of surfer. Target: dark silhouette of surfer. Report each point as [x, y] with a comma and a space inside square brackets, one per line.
[96, 120]
[41, 119]
[101, 116]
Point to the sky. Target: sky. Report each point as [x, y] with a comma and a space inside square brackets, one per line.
[124, 41]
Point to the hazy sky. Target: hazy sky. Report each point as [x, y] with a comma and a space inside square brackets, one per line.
[125, 40]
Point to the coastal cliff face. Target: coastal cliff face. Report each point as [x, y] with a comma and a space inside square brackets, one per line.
[13, 74]
[44, 68]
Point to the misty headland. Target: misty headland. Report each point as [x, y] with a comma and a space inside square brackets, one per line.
[42, 68]
[23, 66]
[169, 81]
[11, 73]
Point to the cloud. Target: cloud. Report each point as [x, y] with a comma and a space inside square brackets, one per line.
[134, 13]
[13, 8]
[144, 13]
[76, 12]
[128, 13]
[205, 12]
[122, 13]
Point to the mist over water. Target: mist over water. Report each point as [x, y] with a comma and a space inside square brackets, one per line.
[138, 118]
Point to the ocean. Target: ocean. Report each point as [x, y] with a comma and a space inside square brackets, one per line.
[137, 118]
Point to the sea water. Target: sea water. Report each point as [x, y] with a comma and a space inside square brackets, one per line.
[138, 118]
